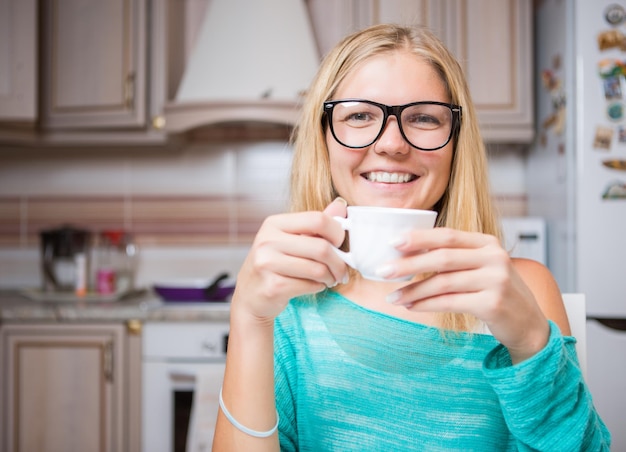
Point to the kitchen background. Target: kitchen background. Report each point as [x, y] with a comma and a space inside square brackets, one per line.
[170, 119]
[193, 200]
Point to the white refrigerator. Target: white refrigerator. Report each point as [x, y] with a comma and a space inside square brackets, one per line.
[576, 178]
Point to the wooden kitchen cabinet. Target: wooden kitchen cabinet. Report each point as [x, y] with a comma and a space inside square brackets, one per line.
[97, 78]
[70, 387]
[18, 61]
[492, 40]
[94, 64]
[332, 20]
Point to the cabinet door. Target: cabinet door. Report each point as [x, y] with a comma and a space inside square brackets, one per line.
[332, 20]
[61, 389]
[94, 59]
[493, 41]
[18, 60]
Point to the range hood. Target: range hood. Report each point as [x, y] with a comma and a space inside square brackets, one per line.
[251, 63]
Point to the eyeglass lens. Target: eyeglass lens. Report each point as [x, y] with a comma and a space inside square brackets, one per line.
[358, 124]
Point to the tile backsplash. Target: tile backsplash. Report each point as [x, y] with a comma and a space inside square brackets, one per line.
[193, 211]
[198, 195]
[154, 220]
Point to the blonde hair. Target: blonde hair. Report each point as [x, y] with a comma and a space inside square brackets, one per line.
[466, 204]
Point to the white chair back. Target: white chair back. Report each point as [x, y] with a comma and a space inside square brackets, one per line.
[575, 305]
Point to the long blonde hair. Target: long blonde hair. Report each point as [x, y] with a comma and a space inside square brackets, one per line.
[466, 204]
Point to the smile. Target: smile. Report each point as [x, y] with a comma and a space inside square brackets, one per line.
[389, 178]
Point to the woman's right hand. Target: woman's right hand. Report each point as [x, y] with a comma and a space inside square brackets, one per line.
[291, 255]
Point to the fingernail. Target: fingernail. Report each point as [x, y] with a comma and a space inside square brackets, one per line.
[341, 200]
[346, 278]
[393, 297]
[385, 271]
[397, 241]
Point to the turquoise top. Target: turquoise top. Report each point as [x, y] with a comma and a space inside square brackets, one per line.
[352, 379]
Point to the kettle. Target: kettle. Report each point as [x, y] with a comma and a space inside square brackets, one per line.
[64, 259]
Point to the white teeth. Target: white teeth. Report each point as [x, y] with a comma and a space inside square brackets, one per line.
[393, 178]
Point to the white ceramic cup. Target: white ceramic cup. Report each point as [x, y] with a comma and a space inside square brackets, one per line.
[371, 231]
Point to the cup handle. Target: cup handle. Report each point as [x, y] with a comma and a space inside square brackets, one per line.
[343, 255]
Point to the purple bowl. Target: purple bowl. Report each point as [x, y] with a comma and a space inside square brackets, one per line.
[189, 291]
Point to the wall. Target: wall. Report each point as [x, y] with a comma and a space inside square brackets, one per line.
[194, 211]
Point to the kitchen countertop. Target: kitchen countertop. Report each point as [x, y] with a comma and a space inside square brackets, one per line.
[145, 306]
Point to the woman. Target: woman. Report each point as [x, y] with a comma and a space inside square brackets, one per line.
[470, 355]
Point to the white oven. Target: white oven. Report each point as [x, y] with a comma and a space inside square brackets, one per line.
[526, 237]
[180, 360]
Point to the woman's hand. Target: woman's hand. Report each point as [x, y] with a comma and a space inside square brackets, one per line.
[291, 255]
[472, 273]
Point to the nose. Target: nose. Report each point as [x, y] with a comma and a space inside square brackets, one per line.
[391, 140]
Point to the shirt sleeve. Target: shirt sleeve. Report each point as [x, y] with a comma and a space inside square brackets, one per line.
[545, 401]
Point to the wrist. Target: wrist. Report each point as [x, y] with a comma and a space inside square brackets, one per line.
[242, 318]
[534, 343]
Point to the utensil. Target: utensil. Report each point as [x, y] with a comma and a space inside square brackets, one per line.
[196, 290]
[212, 289]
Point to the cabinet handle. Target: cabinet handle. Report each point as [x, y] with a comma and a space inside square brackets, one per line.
[181, 376]
[129, 90]
[158, 122]
[108, 362]
[133, 327]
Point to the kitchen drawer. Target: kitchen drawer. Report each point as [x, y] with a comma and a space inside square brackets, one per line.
[174, 341]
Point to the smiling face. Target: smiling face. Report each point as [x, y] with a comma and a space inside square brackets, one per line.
[390, 172]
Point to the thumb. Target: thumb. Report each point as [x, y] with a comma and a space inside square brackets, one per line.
[337, 208]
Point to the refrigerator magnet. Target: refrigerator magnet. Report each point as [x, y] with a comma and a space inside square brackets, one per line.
[603, 137]
[559, 125]
[549, 121]
[621, 135]
[614, 14]
[610, 67]
[549, 80]
[615, 111]
[617, 164]
[612, 87]
[615, 190]
[610, 39]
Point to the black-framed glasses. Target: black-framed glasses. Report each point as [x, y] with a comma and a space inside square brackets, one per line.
[358, 123]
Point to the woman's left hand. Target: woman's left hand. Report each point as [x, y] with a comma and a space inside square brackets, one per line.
[471, 273]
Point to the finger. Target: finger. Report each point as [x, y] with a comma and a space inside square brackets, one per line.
[458, 303]
[280, 276]
[444, 260]
[428, 239]
[307, 273]
[316, 259]
[337, 208]
[310, 223]
[275, 287]
[441, 284]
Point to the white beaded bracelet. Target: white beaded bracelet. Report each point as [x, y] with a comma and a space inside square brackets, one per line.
[242, 428]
